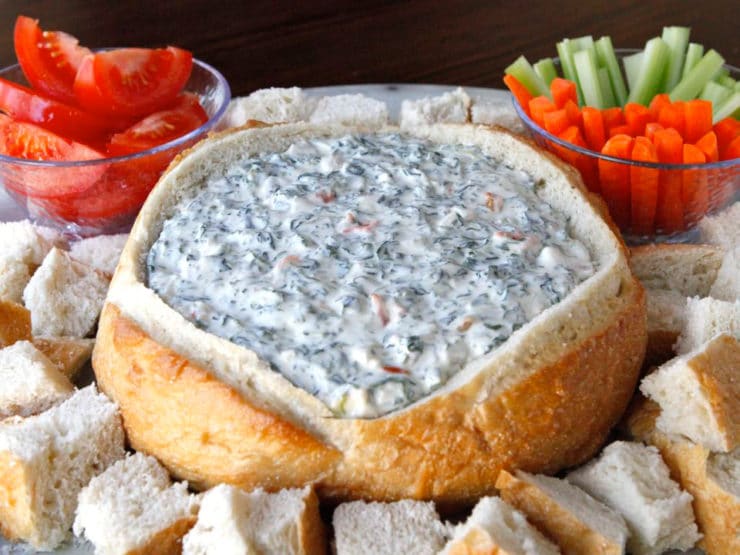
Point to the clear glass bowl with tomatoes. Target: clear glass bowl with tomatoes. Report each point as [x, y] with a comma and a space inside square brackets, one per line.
[81, 148]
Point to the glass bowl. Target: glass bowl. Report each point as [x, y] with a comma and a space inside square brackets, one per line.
[104, 195]
[683, 193]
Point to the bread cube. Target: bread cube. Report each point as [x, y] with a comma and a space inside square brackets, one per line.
[101, 252]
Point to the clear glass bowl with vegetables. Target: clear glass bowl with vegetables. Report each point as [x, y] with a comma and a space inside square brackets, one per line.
[83, 142]
[654, 132]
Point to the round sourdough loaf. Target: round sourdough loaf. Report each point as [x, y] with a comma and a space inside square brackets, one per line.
[213, 412]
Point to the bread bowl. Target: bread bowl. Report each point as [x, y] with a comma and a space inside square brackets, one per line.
[213, 411]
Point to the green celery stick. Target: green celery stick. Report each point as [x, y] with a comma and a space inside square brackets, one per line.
[523, 71]
[726, 80]
[651, 72]
[692, 84]
[606, 58]
[727, 108]
[677, 39]
[694, 52]
[565, 52]
[737, 85]
[715, 93]
[722, 72]
[632, 64]
[582, 43]
[545, 68]
[588, 75]
[606, 88]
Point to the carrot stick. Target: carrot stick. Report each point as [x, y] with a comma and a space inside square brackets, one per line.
[615, 178]
[694, 191]
[586, 165]
[537, 108]
[593, 128]
[612, 118]
[643, 187]
[698, 119]
[657, 103]
[708, 145]
[651, 128]
[733, 149]
[574, 113]
[637, 117]
[726, 130]
[556, 121]
[620, 130]
[520, 92]
[672, 115]
[669, 212]
[563, 90]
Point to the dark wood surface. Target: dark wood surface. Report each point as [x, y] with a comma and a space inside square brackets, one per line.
[326, 42]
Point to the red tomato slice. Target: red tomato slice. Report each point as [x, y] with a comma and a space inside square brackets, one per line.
[29, 141]
[49, 59]
[132, 81]
[23, 104]
[160, 127]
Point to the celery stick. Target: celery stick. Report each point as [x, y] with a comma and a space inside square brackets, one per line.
[690, 85]
[726, 80]
[715, 93]
[582, 43]
[677, 39]
[651, 72]
[694, 52]
[721, 72]
[606, 58]
[523, 71]
[588, 75]
[727, 108]
[632, 64]
[606, 88]
[565, 52]
[545, 68]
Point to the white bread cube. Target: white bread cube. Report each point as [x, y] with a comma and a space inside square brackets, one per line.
[497, 528]
[68, 354]
[15, 323]
[713, 479]
[65, 297]
[406, 526]
[14, 276]
[706, 318]
[722, 229]
[577, 522]
[46, 460]
[273, 105]
[699, 394]
[30, 382]
[26, 243]
[666, 310]
[496, 112]
[101, 252]
[632, 479]
[727, 285]
[450, 107]
[232, 521]
[350, 109]
[133, 507]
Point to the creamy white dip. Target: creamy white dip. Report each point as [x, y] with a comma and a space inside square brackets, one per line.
[367, 269]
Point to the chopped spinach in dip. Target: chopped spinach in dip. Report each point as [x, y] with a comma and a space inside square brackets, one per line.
[366, 269]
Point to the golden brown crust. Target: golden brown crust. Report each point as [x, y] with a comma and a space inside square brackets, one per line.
[68, 354]
[717, 512]
[449, 448]
[167, 541]
[659, 348]
[476, 542]
[311, 529]
[16, 514]
[569, 532]
[15, 323]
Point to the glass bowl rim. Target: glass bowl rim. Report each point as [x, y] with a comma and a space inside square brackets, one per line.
[535, 128]
[223, 85]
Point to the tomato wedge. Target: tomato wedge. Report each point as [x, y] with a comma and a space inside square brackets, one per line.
[132, 81]
[160, 127]
[49, 59]
[29, 141]
[26, 105]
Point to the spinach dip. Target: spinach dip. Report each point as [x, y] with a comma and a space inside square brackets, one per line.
[366, 269]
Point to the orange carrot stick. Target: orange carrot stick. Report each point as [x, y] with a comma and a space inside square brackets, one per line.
[593, 128]
[657, 103]
[733, 149]
[726, 131]
[669, 212]
[672, 115]
[563, 90]
[615, 178]
[643, 188]
[708, 145]
[620, 130]
[586, 165]
[651, 128]
[698, 114]
[637, 117]
[537, 108]
[574, 113]
[612, 118]
[520, 92]
[694, 191]
[556, 121]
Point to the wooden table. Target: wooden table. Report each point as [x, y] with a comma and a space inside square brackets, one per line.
[260, 43]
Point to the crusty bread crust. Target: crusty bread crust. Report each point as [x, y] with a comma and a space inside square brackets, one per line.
[15, 323]
[717, 511]
[16, 499]
[167, 541]
[213, 412]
